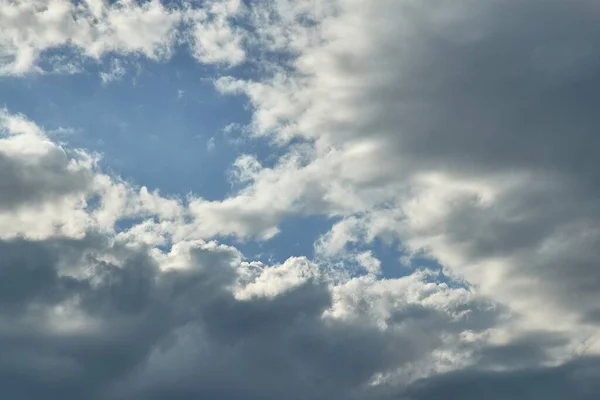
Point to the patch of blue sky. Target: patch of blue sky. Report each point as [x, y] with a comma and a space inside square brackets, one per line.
[296, 238]
[159, 125]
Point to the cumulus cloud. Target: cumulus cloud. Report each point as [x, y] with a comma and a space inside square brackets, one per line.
[469, 123]
[35, 170]
[214, 38]
[93, 27]
[82, 325]
[463, 129]
[102, 313]
[49, 189]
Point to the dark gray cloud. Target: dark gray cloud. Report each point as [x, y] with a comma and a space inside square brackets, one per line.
[528, 351]
[41, 359]
[74, 325]
[482, 87]
[575, 380]
[36, 179]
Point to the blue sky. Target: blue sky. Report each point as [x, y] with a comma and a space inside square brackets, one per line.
[151, 126]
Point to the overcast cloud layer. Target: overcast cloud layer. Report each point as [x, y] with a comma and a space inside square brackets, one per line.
[462, 132]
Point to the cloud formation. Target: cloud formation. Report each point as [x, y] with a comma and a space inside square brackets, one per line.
[104, 313]
[472, 124]
[460, 131]
[93, 27]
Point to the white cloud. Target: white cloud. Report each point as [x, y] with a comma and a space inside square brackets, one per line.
[214, 38]
[114, 73]
[52, 190]
[96, 28]
[258, 280]
[93, 27]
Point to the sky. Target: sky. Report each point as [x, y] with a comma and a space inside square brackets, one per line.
[286, 199]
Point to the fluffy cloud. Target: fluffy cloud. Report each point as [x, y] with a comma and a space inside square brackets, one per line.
[33, 169]
[214, 39]
[48, 189]
[466, 130]
[103, 313]
[469, 123]
[93, 27]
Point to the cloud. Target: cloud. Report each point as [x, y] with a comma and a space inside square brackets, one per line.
[49, 189]
[93, 27]
[116, 72]
[214, 38]
[134, 312]
[464, 131]
[33, 169]
[567, 381]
